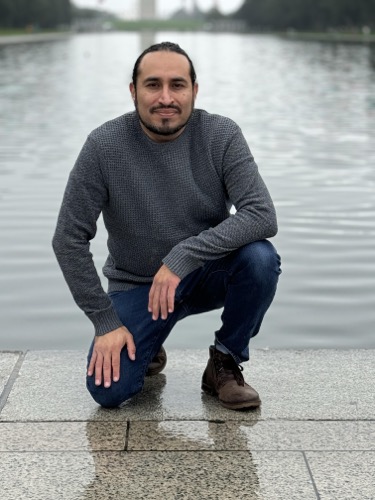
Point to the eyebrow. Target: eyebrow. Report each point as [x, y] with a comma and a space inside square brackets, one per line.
[156, 79]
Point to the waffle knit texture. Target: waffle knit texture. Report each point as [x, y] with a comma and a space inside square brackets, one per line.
[161, 203]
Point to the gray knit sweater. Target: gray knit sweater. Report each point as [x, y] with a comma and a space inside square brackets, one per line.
[161, 203]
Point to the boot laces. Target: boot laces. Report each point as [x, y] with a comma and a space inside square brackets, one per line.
[227, 369]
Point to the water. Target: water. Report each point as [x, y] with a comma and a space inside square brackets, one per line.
[308, 113]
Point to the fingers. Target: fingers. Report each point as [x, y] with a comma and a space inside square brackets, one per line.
[98, 369]
[154, 301]
[107, 370]
[160, 298]
[91, 367]
[115, 366]
[170, 299]
[103, 366]
[131, 347]
[116, 358]
[163, 302]
[106, 357]
[162, 293]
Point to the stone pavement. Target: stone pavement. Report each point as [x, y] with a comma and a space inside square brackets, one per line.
[312, 438]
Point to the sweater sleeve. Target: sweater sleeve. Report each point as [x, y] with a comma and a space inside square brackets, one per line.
[255, 217]
[84, 197]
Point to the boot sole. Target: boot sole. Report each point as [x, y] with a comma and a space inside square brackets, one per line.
[231, 406]
[152, 372]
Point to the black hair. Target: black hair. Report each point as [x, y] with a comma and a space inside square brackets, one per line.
[167, 47]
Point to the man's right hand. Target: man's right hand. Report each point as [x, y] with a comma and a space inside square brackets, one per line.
[105, 359]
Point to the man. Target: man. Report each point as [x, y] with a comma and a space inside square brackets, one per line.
[165, 177]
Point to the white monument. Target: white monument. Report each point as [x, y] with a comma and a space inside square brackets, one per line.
[148, 9]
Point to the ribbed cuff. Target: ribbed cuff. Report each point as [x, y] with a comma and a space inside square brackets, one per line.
[105, 321]
[180, 263]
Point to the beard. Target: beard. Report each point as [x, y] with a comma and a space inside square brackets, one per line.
[164, 129]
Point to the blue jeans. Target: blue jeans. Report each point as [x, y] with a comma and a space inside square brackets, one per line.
[244, 283]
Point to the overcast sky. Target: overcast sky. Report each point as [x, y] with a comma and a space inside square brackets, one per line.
[129, 8]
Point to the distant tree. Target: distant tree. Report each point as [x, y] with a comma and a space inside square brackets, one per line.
[307, 14]
[87, 13]
[5, 12]
[214, 14]
[40, 13]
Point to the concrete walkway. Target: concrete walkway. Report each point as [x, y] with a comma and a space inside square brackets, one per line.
[313, 437]
[36, 37]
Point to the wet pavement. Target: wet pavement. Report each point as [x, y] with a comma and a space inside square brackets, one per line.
[313, 437]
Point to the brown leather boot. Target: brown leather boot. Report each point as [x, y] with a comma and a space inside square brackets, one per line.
[158, 363]
[223, 378]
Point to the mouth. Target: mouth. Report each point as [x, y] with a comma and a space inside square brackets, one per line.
[165, 112]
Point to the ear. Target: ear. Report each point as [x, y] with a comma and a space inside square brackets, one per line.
[195, 90]
[132, 90]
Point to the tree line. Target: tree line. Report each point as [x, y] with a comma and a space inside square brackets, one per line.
[307, 15]
[42, 14]
[304, 15]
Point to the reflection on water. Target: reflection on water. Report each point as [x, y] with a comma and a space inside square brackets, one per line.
[308, 112]
[372, 55]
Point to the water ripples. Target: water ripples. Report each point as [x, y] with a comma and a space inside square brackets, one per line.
[308, 112]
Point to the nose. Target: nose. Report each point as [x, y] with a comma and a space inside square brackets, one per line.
[165, 97]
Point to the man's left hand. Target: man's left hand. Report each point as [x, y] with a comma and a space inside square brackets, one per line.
[162, 292]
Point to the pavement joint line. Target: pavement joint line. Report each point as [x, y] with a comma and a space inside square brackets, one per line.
[117, 452]
[31, 422]
[205, 450]
[311, 475]
[240, 422]
[127, 435]
[128, 452]
[251, 451]
[11, 380]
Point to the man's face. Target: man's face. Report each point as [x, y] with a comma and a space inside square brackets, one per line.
[164, 97]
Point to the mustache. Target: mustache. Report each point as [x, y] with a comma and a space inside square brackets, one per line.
[161, 106]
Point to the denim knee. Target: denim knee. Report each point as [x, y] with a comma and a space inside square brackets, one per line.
[113, 396]
[260, 259]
